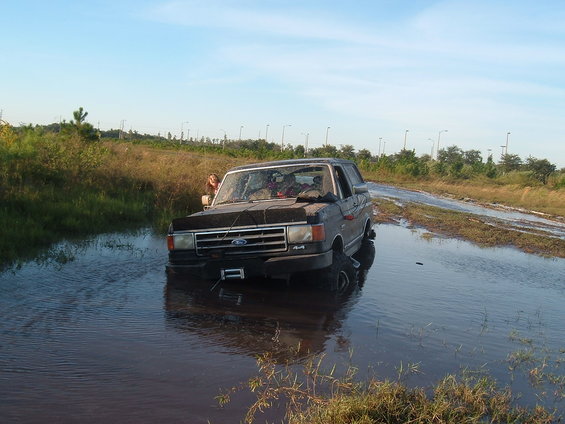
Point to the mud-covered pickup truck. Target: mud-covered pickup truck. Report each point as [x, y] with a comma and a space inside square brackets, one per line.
[277, 219]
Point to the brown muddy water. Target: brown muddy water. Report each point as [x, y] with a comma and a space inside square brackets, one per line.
[107, 337]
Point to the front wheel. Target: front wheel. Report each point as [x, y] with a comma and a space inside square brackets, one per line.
[339, 276]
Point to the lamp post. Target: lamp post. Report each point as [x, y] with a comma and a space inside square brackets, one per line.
[306, 143]
[240, 128]
[267, 133]
[282, 138]
[502, 152]
[384, 145]
[121, 134]
[327, 130]
[405, 134]
[432, 151]
[181, 129]
[380, 140]
[438, 137]
[224, 140]
[506, 149]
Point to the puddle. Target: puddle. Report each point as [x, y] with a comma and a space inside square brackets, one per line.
[107, 338]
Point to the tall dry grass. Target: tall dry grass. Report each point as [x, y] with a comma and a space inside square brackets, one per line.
[175, 177]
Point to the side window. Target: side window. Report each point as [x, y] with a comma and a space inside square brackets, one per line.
[342, 181]
[353, 174]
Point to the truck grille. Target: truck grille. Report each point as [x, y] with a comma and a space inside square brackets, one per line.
[242, 241]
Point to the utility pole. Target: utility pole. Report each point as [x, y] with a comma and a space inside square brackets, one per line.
[181, 130]
[437, 147]
[267, 133]
[121, 133]
[282, 138]
[306, 143]
[224, 141]
[380, 140]
[506, 149]
[240, 128]
[327, 130]
[405, 134]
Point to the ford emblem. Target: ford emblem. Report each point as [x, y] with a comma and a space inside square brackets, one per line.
[239, 242]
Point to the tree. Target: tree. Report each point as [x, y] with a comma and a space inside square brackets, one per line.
[79, 115]
[82, 128]
[364, 154]
[540, 169]
[347, 151]
[510, 162]
[451, 155]
[472, 157]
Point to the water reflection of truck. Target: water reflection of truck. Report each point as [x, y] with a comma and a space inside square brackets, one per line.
[277, 219]
[260, 316]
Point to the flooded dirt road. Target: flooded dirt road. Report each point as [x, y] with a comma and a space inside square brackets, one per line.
[108, 338]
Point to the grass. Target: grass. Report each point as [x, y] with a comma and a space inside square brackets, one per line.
[477, 229]
[315, 396]
[55, 187]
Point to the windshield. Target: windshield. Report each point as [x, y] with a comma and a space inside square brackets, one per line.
[275, 183]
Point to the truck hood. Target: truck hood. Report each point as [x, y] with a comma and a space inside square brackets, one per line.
[248, 214]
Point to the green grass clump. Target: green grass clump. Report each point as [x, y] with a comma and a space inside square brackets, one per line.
[314, 396]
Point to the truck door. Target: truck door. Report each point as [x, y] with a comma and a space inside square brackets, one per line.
[362, 201]
[348, 208]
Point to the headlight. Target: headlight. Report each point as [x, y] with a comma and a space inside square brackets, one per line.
[306, 233]
[180, 241]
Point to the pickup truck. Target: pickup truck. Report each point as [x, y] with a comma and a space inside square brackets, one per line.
[277, 220]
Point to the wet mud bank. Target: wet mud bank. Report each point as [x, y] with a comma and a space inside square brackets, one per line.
[485, 227]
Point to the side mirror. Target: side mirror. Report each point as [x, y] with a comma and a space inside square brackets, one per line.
[207, 199]
[360, 188]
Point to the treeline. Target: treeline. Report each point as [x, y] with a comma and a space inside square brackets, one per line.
[452, 162]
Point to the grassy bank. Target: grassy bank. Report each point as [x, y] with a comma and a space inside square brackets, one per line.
[477, 229]
[61, 186]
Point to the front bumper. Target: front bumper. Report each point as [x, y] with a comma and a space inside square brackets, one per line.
[209, 269]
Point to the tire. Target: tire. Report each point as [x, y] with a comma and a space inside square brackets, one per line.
[369, 233]
[340, 275]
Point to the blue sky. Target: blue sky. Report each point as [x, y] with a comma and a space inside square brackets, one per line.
[369, 70]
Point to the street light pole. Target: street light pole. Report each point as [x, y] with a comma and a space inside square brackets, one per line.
[380, 140]
[306, 143]
[240, 128]
[122, 122]
[437, 147]
[384, 145]
[181, 129]
[432, 151]
[327, 130]
[224, 140]
[506, 150]
[405, 134]
[282, 138]
[267, 133]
